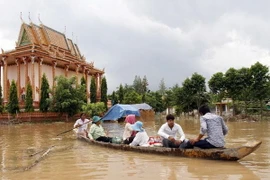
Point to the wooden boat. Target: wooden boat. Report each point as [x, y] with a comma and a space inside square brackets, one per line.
[228, 154]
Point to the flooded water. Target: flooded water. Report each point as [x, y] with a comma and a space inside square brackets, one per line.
[33, 151]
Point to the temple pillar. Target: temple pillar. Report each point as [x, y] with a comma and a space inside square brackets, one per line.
[40, 75]
[53, 72]
[5, 79]
[26, 72]
[18, 77]
[87, 85]
[33, 77]
[77, 73]
[98, 86]
[66, 68]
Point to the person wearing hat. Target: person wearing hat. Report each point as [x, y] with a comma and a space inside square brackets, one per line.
[97, 132]
[141, 138]
[82, 125]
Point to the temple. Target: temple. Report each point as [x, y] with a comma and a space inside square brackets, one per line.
[39, 50]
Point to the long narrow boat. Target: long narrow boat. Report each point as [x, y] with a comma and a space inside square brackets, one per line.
[228, 154]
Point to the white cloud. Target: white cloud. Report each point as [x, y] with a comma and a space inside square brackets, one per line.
[130, 38]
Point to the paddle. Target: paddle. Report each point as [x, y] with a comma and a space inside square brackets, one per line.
[71, 129]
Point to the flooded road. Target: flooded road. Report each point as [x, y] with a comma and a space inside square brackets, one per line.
[22, 148]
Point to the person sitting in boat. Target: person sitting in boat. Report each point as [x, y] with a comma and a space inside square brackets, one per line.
[82, 125]
[141, 138]
[170, 131]
[97, 132]
[212, 125]
[129, 134]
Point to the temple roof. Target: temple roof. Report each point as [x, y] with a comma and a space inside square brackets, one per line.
[46, 36]
[45, 42]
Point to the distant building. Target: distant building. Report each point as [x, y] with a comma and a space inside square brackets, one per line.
[39, 50]
[222, 107]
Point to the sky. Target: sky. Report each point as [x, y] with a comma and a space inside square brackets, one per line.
[159, 39]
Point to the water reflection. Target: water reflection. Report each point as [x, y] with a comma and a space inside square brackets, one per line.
[71, 159]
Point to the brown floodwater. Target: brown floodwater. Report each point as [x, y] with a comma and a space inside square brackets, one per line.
[69, 158]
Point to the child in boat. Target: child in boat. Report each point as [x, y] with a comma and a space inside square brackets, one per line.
[97, 132]
[141, 138]
[129, 134]
[212, 125]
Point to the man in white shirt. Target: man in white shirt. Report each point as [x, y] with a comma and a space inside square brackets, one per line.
[170, 131]
[82, 125]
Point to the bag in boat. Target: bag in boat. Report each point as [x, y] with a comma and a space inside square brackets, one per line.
[117, 140]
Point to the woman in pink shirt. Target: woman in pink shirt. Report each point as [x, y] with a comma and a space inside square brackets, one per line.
[129, 134]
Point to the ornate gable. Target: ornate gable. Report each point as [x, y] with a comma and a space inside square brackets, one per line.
[24, 38]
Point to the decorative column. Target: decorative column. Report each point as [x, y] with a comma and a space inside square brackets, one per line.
[17, 60]
[40, 74]
[87, 85]
[5, 78]
[84, 72]
[98, 86]
[26, 72]
[54, 63]
[66, 68]
[33, 77]
[77, 73]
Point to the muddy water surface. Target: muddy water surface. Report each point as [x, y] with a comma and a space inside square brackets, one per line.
[67, 158]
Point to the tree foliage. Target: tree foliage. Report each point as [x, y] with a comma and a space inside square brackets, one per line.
[93, 90]
[154, 99]
[104, 90]
[132, 97]
[29, 99]
[162, 87]
[13, 102]
[260, 81]
[83, 84]
[114, 98]
[68, 98]
[121, 94]
[217, 85]
[94, 108]
[44, 97]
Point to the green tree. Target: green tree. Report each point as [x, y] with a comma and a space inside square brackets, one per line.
[260, 83]
[29, 99]
[68, 98]
[168, 99]
[83, 84]
[114, 98]
[132, 97]
[217, 85]
[154, 99]
[83, 81]
[200, 95]
[162, 87]
[121, 94]
[144, 85]
[13, 103]
[137, 84]
[104, 90]
[94, 108]
[44, 97]
[232, 83]
[93, 90]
